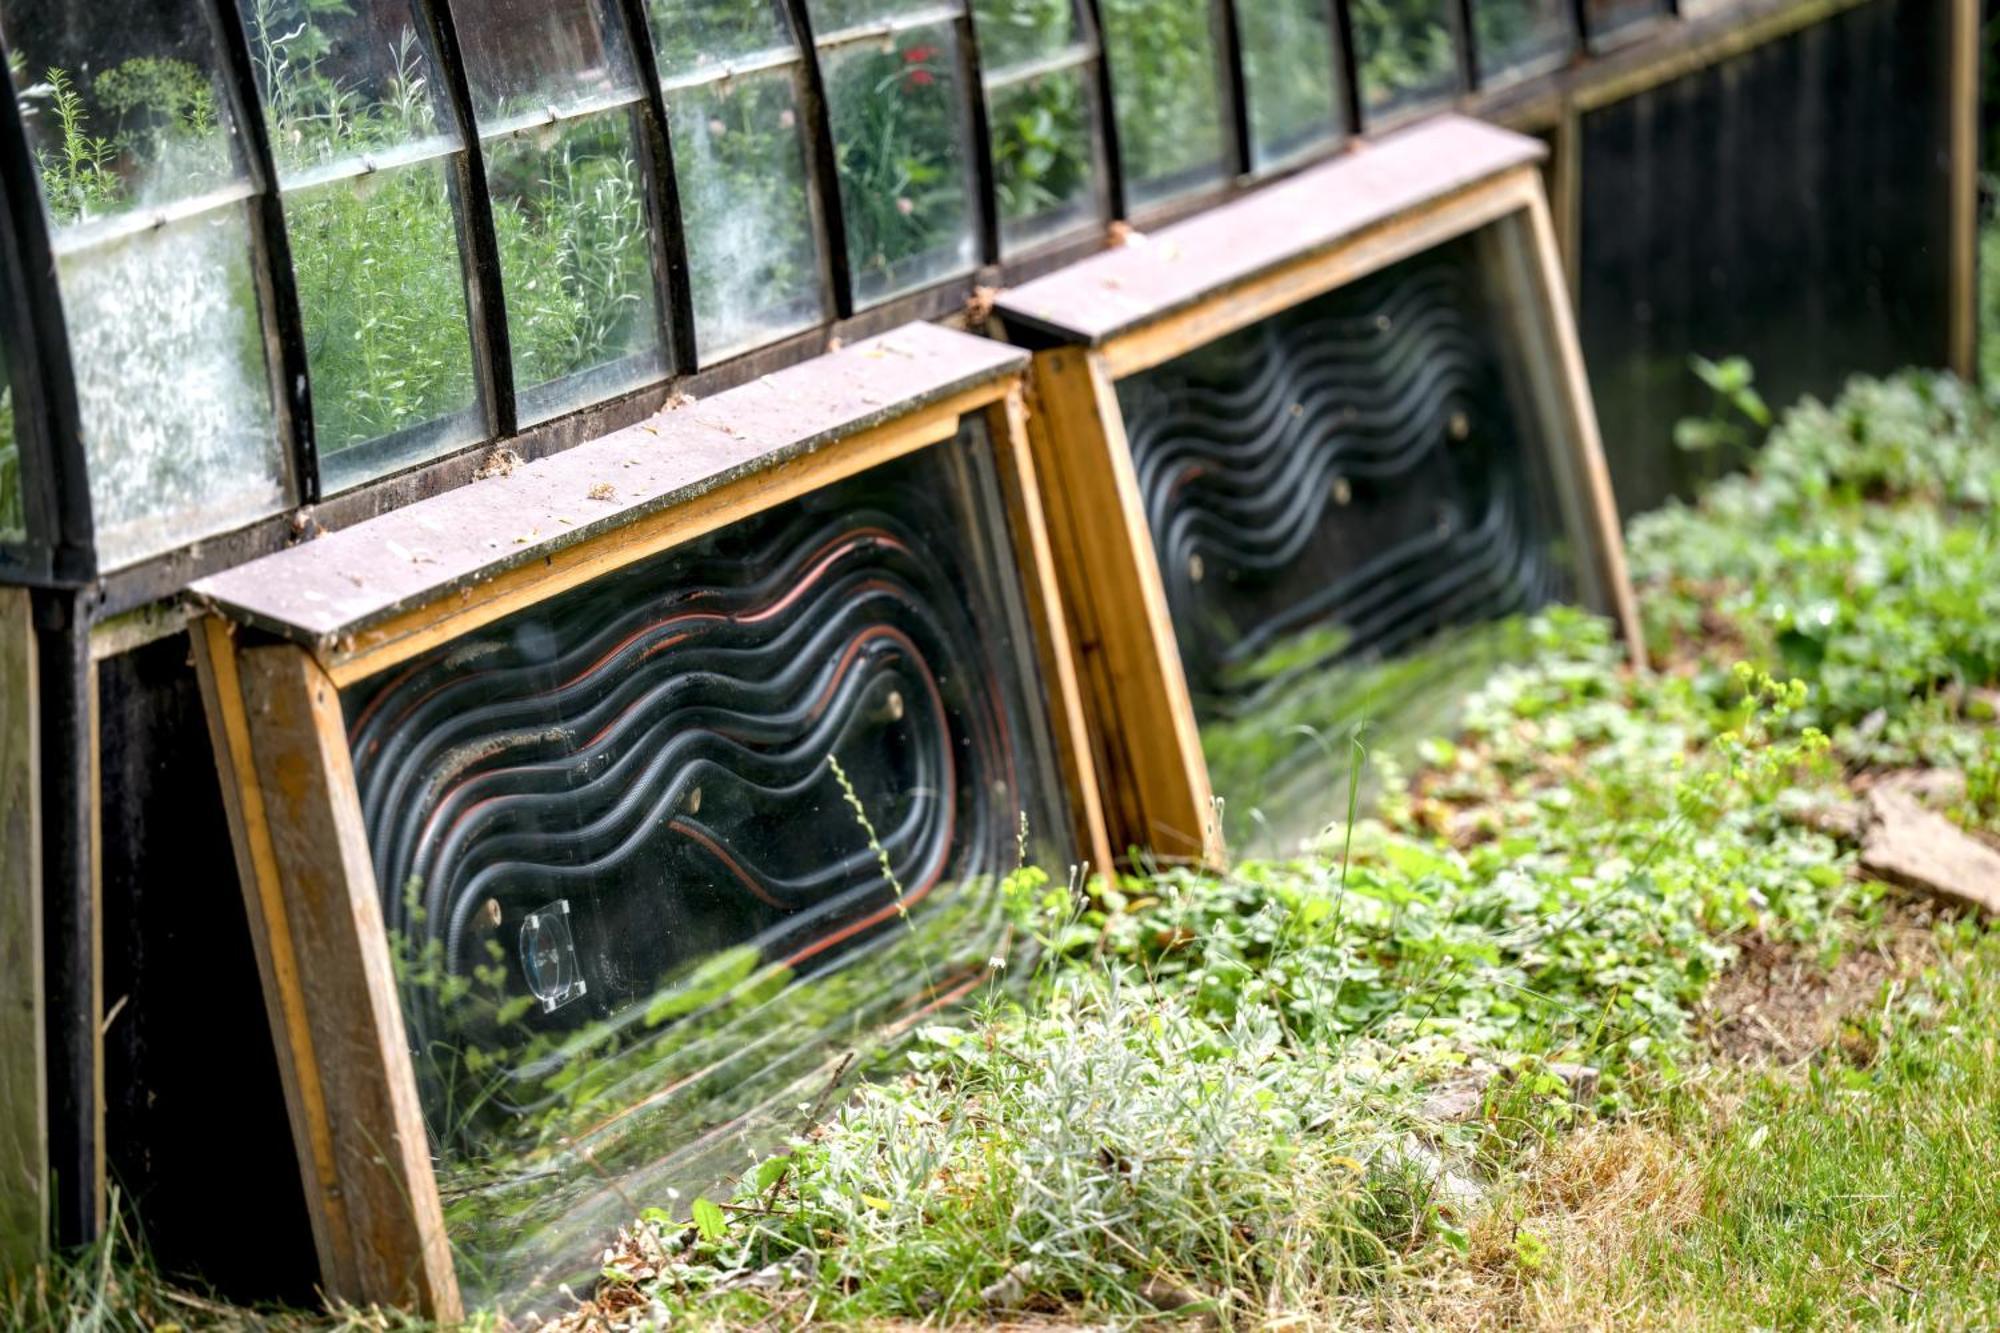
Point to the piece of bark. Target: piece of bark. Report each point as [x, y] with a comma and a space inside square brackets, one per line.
[1908, 845]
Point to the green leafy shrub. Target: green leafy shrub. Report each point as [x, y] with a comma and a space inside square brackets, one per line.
[1162, 60]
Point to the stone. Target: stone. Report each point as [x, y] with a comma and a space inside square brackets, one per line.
[1907, 845]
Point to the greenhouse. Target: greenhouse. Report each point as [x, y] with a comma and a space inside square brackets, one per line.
[580, 579]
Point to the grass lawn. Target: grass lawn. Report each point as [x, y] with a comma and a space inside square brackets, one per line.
[1593, 1020]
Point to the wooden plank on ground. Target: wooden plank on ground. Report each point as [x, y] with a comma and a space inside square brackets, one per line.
[1148, 750]
[329, 979]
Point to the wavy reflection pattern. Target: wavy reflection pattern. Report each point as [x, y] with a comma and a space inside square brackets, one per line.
[1348, 467]
[657, 752]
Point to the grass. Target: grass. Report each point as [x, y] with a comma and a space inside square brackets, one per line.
[1857, 1189]
[1488, 1055]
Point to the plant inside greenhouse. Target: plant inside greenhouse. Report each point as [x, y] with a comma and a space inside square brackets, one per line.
[1275, 664]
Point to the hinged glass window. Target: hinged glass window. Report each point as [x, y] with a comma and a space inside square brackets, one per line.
[1166, 87]
[562, 126]
[1038, 61]
[1608, 18]
[372, 171]
[733, 81]
[1404, 54]
[894, 72]
[1516, 38]
[148, 194]
[1291, 77]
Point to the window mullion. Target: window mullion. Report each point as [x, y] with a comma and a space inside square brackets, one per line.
[670, 254]
[488, 302]
[283, 321]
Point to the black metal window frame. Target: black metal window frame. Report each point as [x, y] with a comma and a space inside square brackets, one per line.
[59, 547]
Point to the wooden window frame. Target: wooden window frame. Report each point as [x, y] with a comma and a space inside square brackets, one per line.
[1130, 310]
[272, 667]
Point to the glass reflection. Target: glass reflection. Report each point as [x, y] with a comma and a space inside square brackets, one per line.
[123, 105]
[732, 73]
[13, 518]
[1520, 37]
[1608, 18]
[1404, 54]
[1289, 77]
[167, 346]
[898, 113]
[576, 260]
[138, 157]
[1352, 515]
[366, 160]
[382, 297]
[1042, 118]
[557, 102]
[1166, 94]
[654, 856]
[753, 258]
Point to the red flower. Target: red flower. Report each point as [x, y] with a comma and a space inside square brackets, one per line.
[918, 55]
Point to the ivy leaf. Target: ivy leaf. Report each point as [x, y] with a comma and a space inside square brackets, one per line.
[709, 1221]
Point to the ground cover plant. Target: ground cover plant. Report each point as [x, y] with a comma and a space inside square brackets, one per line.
[1592, 1019]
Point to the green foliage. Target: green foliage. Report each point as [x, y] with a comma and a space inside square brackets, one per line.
[751, 246]
[376, 255]
[77, 181]
[1068, 1149]
[1731, 380]
[900, 156]
[382, 295]
[1209, 1061]
[1288, 74]
[575, 253]
[1860, 553]
[1403, 50]
[1041, 146]
[1162, 60]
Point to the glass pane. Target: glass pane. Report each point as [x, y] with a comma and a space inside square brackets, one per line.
[1519, 35]
[1404, 50]
[833, 16]
[1605, 17]
[339, 81]
[533, 57]
[382, 293]
[1017, 32]
[168, 348]
[753, 258]
[691, 36]
[1352, 513]
[1044, 156]
[12, 515]
[123, 103]
[637, 912]
[576, 260]
[1288, 73]
[1165, 93]
[899, 135]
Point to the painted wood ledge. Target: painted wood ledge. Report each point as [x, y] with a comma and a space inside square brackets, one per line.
[332, 588]
[1164, 272]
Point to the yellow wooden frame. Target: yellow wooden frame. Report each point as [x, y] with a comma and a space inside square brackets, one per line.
[314, 907]
[1158, 797]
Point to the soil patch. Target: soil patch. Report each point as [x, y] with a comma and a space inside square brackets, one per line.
[1780, 1003]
